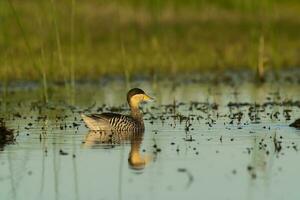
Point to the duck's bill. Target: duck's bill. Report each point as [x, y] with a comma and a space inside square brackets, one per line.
[148, 98]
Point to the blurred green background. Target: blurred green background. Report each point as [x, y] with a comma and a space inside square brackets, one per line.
[76, 40]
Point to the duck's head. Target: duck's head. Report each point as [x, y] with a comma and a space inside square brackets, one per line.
[136, 96]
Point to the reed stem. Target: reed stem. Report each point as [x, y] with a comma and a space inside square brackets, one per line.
[261, 59]
[72, 41]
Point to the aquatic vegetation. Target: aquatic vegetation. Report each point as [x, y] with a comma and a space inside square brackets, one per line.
[169, 38]
[6, 135]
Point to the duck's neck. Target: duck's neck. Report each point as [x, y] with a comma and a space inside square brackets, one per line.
[135, 112]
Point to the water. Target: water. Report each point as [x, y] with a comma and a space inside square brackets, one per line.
[200, 141]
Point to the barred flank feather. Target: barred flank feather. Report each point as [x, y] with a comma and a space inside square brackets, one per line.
[112, 121]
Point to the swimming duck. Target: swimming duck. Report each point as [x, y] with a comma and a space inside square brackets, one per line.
[119, 122]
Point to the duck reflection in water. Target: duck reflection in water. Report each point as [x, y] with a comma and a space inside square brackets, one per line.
[109, 139]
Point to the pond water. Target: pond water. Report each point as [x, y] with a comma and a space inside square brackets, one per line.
[201, 140]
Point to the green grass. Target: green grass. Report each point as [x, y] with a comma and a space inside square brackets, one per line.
[91, 39]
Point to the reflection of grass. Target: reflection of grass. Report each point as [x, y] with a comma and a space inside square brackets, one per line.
[161, 37]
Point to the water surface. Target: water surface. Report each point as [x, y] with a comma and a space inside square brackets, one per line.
[210, 141]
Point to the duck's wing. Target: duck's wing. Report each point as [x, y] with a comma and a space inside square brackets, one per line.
[96, 122]
[108, 121]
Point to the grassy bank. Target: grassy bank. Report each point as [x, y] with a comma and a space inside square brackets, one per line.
[69, 40]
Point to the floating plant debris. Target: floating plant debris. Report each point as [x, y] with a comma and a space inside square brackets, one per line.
[63, 153]
[6, 135]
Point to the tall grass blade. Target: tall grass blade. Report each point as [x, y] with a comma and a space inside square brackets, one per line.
[261, 59]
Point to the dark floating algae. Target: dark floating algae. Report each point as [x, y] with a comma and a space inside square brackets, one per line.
[63, 153]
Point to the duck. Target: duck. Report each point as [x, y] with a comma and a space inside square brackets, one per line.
[119, 122]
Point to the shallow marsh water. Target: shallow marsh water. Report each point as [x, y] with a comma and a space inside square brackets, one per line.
[211, 141]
